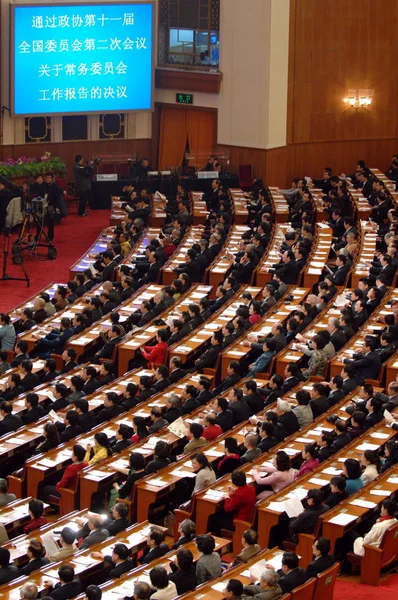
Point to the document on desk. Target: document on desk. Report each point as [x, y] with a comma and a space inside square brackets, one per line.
[380, 492]
[181, 473]
[343, 519]
[157, 482]
[363, 503]
[366, 446]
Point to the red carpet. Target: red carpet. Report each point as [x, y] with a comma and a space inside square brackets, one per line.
[388, 590]
[72, 237]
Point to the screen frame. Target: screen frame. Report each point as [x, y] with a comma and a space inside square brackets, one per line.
[14, 5]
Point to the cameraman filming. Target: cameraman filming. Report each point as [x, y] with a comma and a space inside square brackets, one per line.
[83, 174]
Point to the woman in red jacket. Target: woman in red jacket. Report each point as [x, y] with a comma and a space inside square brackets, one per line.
[239, 504]
[157, 354]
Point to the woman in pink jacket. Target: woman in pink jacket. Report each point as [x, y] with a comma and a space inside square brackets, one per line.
[310, 462]
[278, 475]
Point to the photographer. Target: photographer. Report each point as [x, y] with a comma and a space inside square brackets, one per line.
[83, 175]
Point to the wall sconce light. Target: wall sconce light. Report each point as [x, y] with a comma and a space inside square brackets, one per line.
[359, 98]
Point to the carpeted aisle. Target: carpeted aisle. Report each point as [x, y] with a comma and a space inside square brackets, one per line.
[387, 590]
[72, 237]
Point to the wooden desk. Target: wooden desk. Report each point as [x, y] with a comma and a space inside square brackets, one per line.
[281, 206]
[138, 251]
[91, 336]
[319, 255]
[128, 348]
[268, 510]
[88, 258]
[273, 255]
[292, 352]
[15, 515]
[193, 343]
[199, 208]
[367, 253]
[15, 313]
[375, 492]
[193, 235]
[220, 267]
[355, 343]
[277, 314]
[239, 200]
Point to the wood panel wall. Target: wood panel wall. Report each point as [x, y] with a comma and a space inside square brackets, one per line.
[336, 45]
[68, 150]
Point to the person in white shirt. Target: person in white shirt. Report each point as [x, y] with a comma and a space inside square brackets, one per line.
[164, 589]
[372, 464]
[374, 537]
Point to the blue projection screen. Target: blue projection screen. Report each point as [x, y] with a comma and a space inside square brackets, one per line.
[82, 58]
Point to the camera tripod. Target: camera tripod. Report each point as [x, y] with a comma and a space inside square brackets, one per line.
[27, 241]
[6, 252]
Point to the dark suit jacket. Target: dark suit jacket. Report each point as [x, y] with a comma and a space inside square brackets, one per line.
[225, 419]
[66, 591]
[306, 521]
[338, 339]
[30, 381]
[185, 581]
[106, 351]
[120, 569]
[240, 410]
[10, 423]
[8, 574]
[288, 272]
[292, 580]
[176, 375]
[289, 384]
[70, 432]
[367, 366]
[33, 415]
[320, 564]
[154, 553]
[208, 358]
[319, 405]
[228, 382]
[290, 422]
[335, 397]
[115, 526]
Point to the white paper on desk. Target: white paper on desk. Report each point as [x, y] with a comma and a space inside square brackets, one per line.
[298, 492]
[318, 481]
[366, 446]
[380, 492]
[275, 561]
[363, 503]
[219, 587]
[49, 543]
[47, 462]
[181, 473]
[290, 451]
[331, 471]
[379, 436]
[392, 480]
[179, 428]
[343, 519]
[304, 440]
[157, 482]
[388, 417]
[83, 559]
[214, 453]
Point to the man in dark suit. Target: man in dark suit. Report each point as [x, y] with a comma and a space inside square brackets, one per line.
[291, 378]
[252, 397]
[72, 427]
[86, 418]
[287, 270]
[21, 348]
[224, 416]
[119, 522]
[114, 337]
[367, 363]
[69, 358]
[29, 379]
[337, 337]
[7, 572]
[336, 394]
[161, 381]
[118, 563]
[242, 270]
[209, 357]
[342, 437]
[323, 559]
[176, 335]
[176, 373]
[9, 421]
[349, 380]
[109, 267]
[35, 410]
[366, 182]
[339, 275]
[239, 407]
[291, 576]
[152, 273]
[67, 586]
[232, 378]
[111, 408]
[205, 394]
